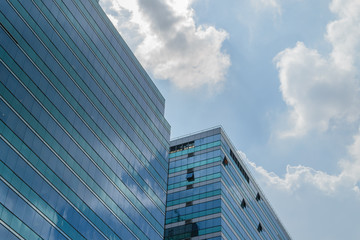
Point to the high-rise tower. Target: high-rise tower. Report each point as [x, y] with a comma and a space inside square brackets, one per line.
[83, 138]
[211, 194]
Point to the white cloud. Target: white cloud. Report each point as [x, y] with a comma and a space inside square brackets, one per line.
[351, 169]
[344, 34]
[322, 93]
[168, 42]
[312, 204]
[315, 197]
[297, 177]
[321, 90]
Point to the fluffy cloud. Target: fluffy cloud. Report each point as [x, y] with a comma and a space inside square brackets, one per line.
[169, 43]
[323, 90]
[313, 204]
[297, 177]
[322, 93]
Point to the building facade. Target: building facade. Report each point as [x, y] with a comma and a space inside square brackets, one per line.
[83, 138]
[211, 194]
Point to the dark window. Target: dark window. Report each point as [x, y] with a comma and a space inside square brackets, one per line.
[243, 203]
[189, 203]
[242, 170]
[259, 228]
[258, 198]
[186, 231]
[191, 154]
[190, 176]
[189, 186]
[182, 146]
[225, 161]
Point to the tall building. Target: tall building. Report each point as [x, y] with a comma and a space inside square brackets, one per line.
[211, 194]
[83, 138]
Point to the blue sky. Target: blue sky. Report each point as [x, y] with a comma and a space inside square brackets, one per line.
[281, 77]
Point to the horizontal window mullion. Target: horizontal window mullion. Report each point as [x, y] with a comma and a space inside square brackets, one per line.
[195, 197]
[236, 200]
[101, 108]
[68, 160]
[194, 165]
[197, 180]
[102, 85]
[22, 231]
[242, 187]
[53, 180]
[69, 97]
[114, 53]
[234, 227]
[128, 52]
[38, 204]
[195, 149]
[110, 172]
[107, 67]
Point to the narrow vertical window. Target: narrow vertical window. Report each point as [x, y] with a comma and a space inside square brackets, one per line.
[190, 176]
[225, 161]
[243, 203]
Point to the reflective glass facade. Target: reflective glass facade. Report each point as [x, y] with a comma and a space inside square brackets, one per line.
[211, 194]
[83, 138]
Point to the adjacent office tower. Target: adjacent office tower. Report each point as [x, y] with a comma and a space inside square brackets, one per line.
[83, 138]
[211, 194]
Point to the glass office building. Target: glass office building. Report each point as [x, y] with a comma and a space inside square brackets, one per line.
[211, 194]
[83, 138]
